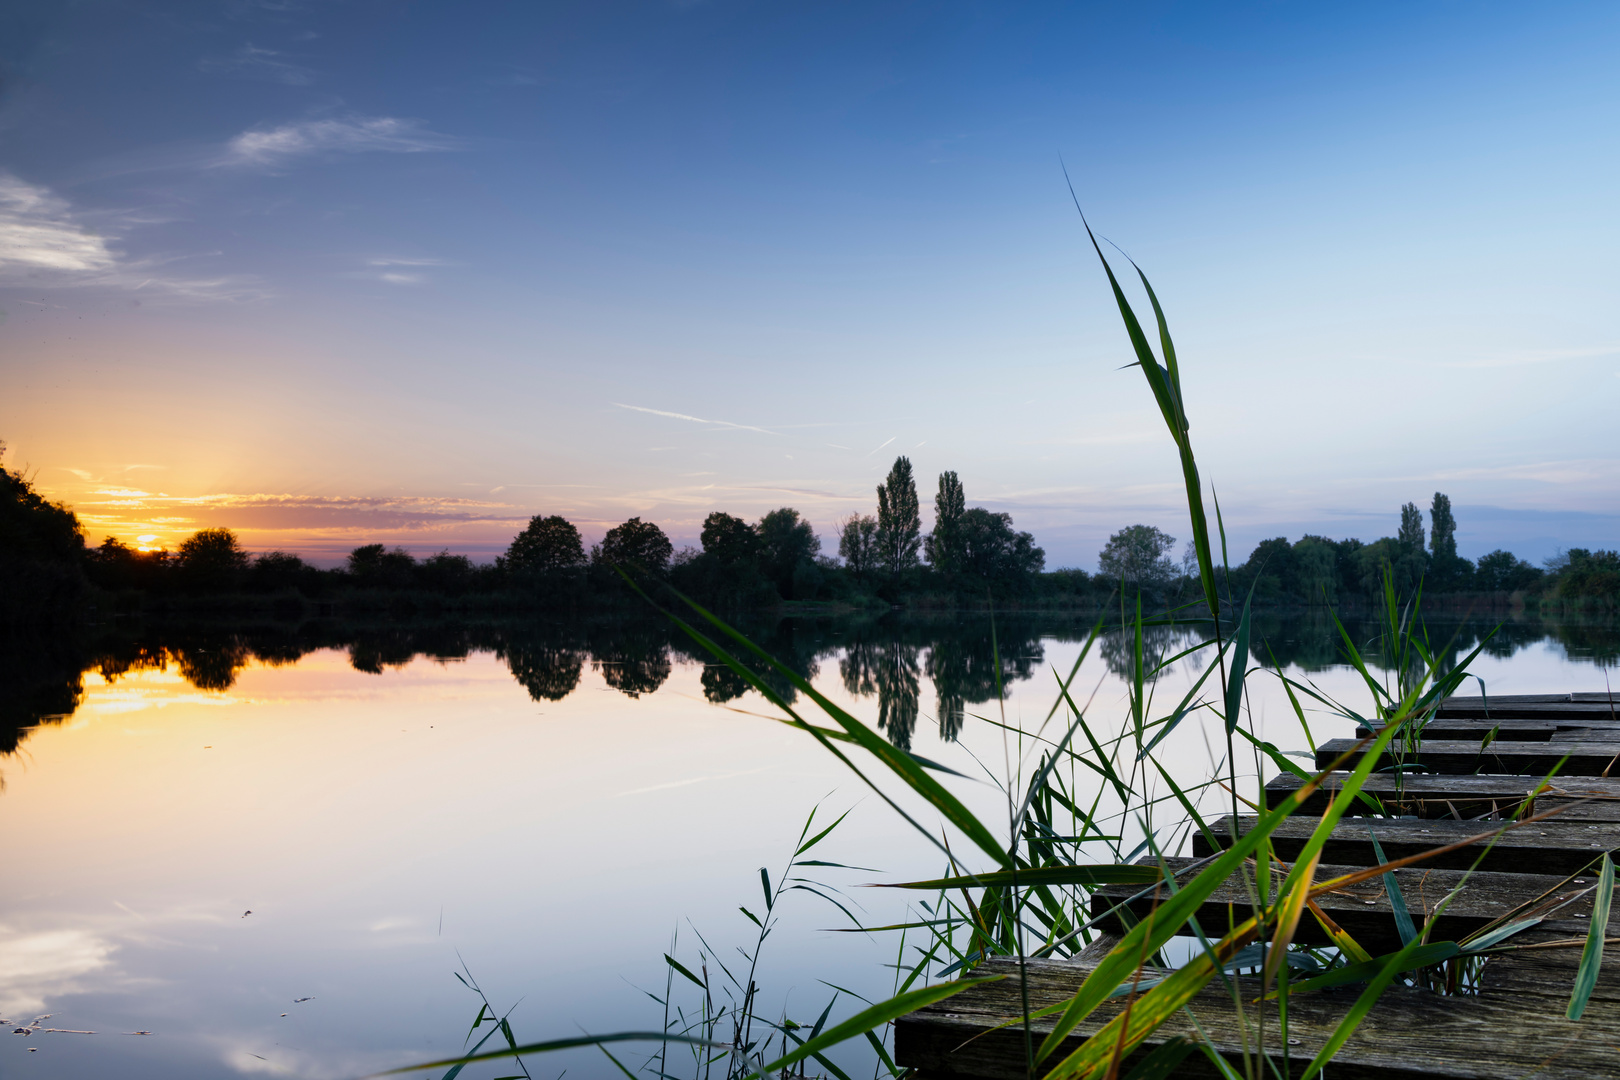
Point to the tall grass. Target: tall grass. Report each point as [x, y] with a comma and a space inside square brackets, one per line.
[1020, 886]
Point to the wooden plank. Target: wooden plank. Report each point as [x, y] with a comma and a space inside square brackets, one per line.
[1408, 1034]
[1432, 795]
[1538, 848]
[1505, 710]
[1364, 909]
[1550, 972]
[1535, 759]
[1476, 730]
[1593, 698]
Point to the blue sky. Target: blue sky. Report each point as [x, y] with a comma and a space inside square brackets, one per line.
[329, 271]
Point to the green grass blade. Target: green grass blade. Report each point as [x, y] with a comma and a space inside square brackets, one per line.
[1420, 957]
[898, 761]
[883, 1012]
[559, 1044]
[1392, 888]
[1592, 955]
[678, 966]
[1240, 666]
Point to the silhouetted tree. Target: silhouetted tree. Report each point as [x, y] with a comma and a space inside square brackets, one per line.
[1315, 575]
[1502, 571]
[1411, 533]
[858, 544]
[989, 549]
[1138, 556]
[1447, 571]
[1590, 574]
[1442, 529]
[41, 554]
[786, 544]
[899, 525]
[373, 566]
[274, 571]
[1407, 564]
[114, 565]
[731, 540]
[637, 544]
[943, 546]
[211, 560]
[443, 572]
[547, 545]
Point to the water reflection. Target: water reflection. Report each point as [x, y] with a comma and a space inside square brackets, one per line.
[887, 659]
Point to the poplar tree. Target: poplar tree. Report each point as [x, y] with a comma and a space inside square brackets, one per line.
[1442, 530]
[899, 523]
[1411, 533]
[944, 544]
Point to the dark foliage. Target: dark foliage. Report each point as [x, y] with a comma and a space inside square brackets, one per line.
[636, 545]
[547, 545]
[42, 577]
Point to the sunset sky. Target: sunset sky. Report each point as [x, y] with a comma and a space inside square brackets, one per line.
[329, 272]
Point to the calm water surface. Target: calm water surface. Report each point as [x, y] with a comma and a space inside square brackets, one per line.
[270, 848]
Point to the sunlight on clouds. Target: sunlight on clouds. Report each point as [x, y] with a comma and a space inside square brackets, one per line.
[38, 231]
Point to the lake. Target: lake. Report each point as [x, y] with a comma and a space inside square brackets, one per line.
[272, 847]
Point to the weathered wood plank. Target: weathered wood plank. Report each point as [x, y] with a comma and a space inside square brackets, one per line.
[1408, 1034]
[1500, 710]
[1577, 698]
[1476, 730]
[1433, 795]
[1535, 759]
[1364, 909]
[1539, 848]
[1550, 972]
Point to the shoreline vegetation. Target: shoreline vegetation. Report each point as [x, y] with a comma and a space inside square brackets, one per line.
[973, 559]
[1084, 812]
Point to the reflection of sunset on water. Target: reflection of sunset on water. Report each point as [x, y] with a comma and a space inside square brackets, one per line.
[349, 795]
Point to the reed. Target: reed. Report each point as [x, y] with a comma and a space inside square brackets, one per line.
[1022, 886]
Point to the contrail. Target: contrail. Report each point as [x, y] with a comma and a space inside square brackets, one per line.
[886, 442]
[697, 419]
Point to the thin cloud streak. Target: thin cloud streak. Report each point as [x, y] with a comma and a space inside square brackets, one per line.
[356, 135]
[694, 419]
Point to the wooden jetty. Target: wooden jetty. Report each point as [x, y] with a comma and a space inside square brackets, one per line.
[1479, 760]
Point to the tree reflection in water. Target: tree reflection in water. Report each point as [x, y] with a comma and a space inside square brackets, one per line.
[41, 677]
[633, 659]
[888, 668]
[962, 667]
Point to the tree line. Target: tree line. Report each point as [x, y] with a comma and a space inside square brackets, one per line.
[972, 556]
[1318, 570]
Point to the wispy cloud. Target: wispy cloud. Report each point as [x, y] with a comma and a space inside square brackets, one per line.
[38, 231]
[694, 419]
[355, 135]
[45, 240]
[252, 62]
[399, 271]
[1537, 356]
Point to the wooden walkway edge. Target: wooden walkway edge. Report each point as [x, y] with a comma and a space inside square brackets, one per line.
[1514, 1027]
